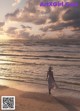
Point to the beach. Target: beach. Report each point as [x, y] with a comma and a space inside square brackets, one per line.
[23, 71]
[34, 38]
[37, 101]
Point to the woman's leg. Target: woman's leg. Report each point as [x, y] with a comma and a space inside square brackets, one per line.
[49, 90]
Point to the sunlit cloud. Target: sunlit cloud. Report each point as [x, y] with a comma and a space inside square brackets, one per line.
[16, 2]
[49, 20]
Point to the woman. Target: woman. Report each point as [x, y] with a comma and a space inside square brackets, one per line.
[51, 81]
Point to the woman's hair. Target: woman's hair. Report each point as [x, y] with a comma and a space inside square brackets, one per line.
[50, 68]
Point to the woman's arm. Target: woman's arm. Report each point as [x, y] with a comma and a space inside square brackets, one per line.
[47, 76]
[53, 77]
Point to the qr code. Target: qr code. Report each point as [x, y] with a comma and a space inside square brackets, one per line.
[8, 103]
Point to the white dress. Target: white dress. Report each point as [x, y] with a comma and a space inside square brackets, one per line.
[50, 80]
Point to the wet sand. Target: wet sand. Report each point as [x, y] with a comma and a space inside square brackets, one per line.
[35, 101]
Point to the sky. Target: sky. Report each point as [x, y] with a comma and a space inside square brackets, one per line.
[26, 19]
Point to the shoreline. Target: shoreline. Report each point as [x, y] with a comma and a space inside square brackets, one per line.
[40, 89]
[37, 101]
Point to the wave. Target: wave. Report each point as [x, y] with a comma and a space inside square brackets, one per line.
[43, 56]
[67, 86]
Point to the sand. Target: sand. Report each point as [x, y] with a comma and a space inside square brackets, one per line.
[33, 101]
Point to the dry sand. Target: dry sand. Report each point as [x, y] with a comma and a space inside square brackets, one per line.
[31, 101]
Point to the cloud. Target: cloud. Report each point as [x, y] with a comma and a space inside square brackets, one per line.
[16, 2]
[11, 30]
[23, 33]
[50, 19]
[2, 24]
[23, 26]
[31, 12]
[1, 27]
[16, 32]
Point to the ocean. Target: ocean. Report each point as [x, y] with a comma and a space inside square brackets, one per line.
[27, 61]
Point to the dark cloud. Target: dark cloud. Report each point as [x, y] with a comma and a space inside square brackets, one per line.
[15, 32]
[11, 31]
[61, 26]
[72, 14]
[2, 24]
[51, 19]
[23, 26]
[32, 12]
[1, 27]
[22, 33]
[13, 16]
[44, 29]
[40, 21]
[70, 18]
